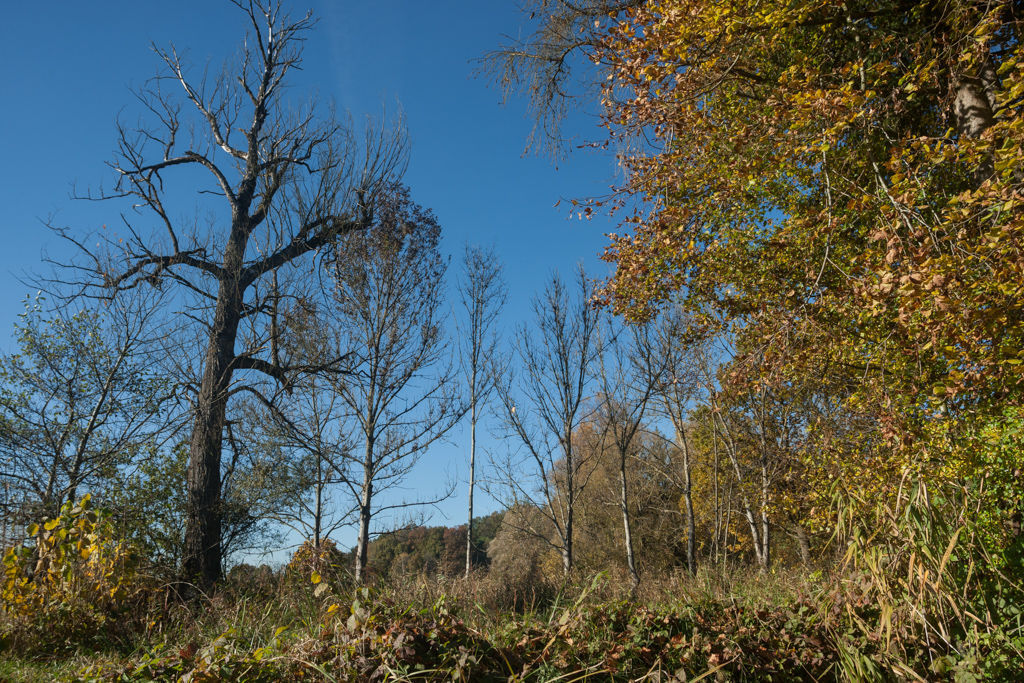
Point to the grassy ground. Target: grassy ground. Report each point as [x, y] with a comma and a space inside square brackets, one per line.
[715, 626]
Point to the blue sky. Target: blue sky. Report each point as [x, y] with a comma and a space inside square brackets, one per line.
[66, 68]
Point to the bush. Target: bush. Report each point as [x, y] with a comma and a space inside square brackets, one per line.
[71, 583]
[325, 561]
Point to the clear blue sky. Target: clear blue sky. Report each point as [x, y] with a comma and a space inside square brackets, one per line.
[66, 67]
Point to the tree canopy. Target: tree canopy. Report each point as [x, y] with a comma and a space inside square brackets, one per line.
[839, 184]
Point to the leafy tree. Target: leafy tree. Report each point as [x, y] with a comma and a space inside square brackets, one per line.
[150, 513]
[77, 401]
[837, 183]
[840, 181]
[290, 180]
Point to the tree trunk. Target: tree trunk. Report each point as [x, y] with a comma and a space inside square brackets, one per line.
[691, 530]
[202, 552]
[974, 106]
[765, 560]
[755, 535]
[718, 503]
[634, 577]
[366, 499]
[748, 512]
[567, 545]
[570, 498]
[472, 474]
[728, 524]
[318, 507]
[803, 544]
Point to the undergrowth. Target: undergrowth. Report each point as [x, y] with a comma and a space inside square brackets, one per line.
[924, 600]
[739, 626]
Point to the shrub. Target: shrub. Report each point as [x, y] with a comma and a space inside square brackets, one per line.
[325, 560]
[69, 582]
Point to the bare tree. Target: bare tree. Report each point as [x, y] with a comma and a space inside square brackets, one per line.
[399, 388]
[557, 371]
[630, 371]
[674, 356]
[291, 181]
[308, 429]
[482, 292]
[557, 65]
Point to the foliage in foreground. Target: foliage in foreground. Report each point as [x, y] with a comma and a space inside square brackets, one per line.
[373, 637]
[71, 583]
[918, 597]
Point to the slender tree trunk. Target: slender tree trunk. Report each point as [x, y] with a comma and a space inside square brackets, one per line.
[472, 475]
[765, 559]
[634, 577]
[728, 525]
[718, 503]
[755, 534]
[691, 529]
[748, 511]
[319, 510]
[766, 546]
[363, 540]
[802, 543]
[570, 496]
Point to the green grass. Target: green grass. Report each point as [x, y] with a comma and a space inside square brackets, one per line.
[16, 670]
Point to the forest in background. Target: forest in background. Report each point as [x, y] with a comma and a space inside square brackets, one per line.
[782, 440]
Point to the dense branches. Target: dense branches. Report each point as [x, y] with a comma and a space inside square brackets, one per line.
[398, 391]
[76, 403]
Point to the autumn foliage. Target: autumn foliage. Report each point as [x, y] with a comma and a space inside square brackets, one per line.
[72, 581]
[839, 186]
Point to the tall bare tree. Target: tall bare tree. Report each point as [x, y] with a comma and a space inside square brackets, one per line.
[399, 388]
[630, 371]
[482, 292]
[556, 360]
[291, 181]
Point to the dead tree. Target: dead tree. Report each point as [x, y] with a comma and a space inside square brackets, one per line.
[289, 180]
